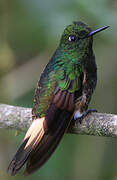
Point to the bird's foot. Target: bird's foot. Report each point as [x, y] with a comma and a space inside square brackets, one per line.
[79, 116]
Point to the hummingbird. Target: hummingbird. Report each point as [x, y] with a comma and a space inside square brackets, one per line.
[63, 94]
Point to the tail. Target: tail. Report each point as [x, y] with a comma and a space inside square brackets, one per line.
[47, 145]
[38, 146]
[31, 140]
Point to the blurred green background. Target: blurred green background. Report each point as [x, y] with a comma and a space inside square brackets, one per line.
[29, 34]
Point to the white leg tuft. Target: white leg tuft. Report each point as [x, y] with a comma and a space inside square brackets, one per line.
[77, 115]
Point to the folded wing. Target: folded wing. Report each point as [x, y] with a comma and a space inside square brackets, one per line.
[44, 134]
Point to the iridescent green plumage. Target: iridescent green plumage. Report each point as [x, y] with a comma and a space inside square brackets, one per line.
[65, 69]
[63, 92]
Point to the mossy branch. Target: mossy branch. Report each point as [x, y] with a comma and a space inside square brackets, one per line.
[97, 124]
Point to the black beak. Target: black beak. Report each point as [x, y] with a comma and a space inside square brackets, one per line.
[97, 30]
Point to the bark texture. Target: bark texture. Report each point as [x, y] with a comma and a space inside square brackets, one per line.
[97, 124]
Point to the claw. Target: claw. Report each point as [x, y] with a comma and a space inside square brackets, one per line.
[91, 110]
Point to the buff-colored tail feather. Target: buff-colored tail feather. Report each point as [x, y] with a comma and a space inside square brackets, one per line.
[31, 140]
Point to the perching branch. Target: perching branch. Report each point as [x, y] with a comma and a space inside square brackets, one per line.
[97, 124]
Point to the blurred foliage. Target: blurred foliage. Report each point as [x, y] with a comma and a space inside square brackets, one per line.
[29, 32]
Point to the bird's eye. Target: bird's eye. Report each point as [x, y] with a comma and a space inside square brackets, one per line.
[72, 38]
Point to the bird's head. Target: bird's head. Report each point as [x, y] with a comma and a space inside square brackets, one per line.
[78, 37]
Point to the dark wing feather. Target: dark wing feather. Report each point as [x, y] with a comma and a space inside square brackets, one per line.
[56, 122]
[43, 141]
[44, 134]
[47, 145]
[62, 100]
